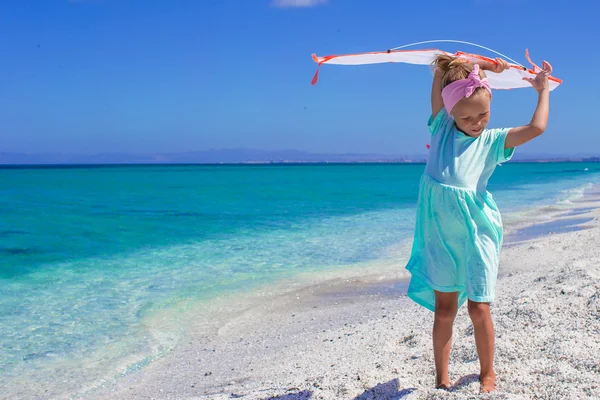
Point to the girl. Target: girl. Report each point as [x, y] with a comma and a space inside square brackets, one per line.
[458, 233]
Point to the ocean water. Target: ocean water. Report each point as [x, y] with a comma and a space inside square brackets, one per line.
[87, 254]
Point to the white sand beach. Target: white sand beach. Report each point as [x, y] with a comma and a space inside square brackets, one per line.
[364, 339]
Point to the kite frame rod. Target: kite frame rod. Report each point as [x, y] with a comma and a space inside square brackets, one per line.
[458, 41]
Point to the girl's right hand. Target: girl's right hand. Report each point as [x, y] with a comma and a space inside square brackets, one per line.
[499, 66]
[540, 82]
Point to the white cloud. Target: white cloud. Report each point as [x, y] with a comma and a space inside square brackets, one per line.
[297, 3]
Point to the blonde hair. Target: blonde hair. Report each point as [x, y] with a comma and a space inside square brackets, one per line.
[453, 68]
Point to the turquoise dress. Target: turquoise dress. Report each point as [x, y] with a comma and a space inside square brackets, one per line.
[458, 232]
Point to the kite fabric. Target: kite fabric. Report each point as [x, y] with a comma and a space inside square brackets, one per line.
[509, 79]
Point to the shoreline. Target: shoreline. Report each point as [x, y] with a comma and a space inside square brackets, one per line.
[316, 339]
[346, 295]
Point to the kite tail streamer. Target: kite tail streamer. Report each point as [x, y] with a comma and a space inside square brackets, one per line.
[536, 69]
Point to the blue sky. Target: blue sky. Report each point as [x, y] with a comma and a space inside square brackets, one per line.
[92, 76]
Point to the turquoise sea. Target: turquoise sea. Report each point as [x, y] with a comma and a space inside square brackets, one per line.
[88, 253]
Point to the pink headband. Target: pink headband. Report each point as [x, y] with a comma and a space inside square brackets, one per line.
[455, 91]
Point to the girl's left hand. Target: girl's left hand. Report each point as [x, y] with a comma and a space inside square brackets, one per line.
[540, 82]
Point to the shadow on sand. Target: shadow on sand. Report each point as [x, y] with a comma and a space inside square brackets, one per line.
[383, 391]
[465, 381]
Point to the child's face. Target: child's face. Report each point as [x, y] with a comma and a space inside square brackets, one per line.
[472, 114]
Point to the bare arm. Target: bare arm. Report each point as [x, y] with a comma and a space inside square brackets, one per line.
[523, 134]
[436, 93]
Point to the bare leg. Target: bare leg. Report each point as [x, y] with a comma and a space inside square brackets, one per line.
[484, 340]
[446, 306]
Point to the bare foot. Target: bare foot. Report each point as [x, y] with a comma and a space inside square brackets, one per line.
[443, 383]
[488, 383]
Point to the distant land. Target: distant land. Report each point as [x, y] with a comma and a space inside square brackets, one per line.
[250, 156]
